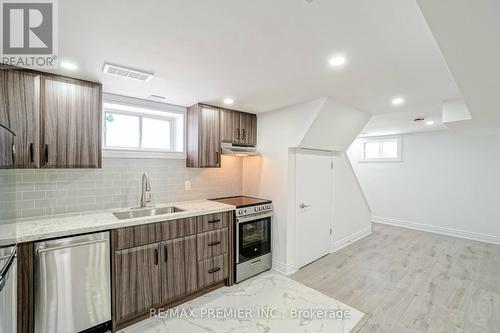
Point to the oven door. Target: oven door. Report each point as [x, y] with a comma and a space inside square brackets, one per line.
[253, 237]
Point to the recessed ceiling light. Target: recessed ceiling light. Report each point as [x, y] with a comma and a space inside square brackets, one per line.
[228, 101]
[429, 122]
[397, 101]
[69, 65]
[337, 61]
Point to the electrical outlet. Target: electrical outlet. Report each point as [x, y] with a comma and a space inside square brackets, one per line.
[187, 185]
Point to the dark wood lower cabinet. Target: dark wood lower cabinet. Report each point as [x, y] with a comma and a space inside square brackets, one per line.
[179, 269]
[25, 285]
[168, 272]
[137, 279]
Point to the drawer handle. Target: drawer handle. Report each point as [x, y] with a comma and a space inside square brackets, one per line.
[156, 257]
[166, 254]
[255, 262]
[214, 243]
[214, 221]
[214, 270]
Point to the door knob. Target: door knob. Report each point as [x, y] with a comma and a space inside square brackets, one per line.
[302, 205]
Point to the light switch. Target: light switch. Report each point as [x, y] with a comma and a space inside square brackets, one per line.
[187, 185]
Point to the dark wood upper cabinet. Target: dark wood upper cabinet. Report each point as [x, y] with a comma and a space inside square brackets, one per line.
[20, 111]
[203, 137]
[57, 120]
[137, 281]
[71, 123]
[238, 127]
[229, 126]
[248, 128]
[208, 126]
[179, 268]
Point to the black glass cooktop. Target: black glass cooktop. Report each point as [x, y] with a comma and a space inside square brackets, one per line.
[242, 201]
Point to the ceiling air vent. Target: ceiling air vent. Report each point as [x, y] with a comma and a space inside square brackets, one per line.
[127, 73]
[157, 98]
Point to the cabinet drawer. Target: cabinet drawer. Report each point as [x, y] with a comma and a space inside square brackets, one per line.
[135, 236]
[212, 222]
[212, 270]
[212, 243]
[177, 228]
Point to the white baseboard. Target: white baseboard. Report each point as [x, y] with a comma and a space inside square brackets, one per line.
[438, 230]
[283, 268]
[338, 245]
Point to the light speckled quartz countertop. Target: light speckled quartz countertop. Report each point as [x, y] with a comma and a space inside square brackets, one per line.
[33, 229]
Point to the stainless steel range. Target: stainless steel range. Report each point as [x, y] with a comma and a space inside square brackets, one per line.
[252, 235]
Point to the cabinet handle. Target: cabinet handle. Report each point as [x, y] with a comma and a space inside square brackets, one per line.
[217, 157]
[13, 155]
[156, 257]
[214, 270]
[46, 153]
[166, 253]
[243, 134]
[238, 138]
[31, 153]
[213, 221]
[214, 243]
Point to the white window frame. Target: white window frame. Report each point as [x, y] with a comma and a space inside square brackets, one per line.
[144, 109]
[380, 140]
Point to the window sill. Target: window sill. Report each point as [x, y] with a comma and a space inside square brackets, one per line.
[119, 153]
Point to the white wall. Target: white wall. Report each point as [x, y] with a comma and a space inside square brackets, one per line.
[335, 127]
[271, 175]
[266, 176]
[351, 212]
[447, 182]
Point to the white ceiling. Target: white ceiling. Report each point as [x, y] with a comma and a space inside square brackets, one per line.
[403, 122]
[468, 33]
[264, 54]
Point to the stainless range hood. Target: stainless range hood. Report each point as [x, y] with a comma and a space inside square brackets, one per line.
[238, 150]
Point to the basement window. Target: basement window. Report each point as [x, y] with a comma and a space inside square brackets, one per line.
[142, 129]
[381, 149]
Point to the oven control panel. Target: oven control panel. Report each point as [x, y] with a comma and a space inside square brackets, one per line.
[254, 210]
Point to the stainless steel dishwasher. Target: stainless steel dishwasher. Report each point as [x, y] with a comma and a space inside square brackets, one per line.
[72, 283]
[8, 290]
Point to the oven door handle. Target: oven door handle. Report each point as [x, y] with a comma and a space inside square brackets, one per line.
[253, 217]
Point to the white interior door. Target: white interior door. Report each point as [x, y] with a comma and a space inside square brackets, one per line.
[314, 200]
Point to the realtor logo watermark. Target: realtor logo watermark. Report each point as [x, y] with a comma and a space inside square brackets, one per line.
[29, 36]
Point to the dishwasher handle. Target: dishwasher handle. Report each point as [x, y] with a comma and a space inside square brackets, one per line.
[41, 249]
[5, 270]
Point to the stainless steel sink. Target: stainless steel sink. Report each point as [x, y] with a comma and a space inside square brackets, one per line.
[146, 212]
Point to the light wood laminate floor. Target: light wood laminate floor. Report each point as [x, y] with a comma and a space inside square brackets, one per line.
[413, 281]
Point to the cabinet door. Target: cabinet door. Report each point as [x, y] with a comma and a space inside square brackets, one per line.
[229, 126]
[209, 139]
[71, 123]
[19, 111]
[137, 281]
[248, 125]
[179, 268]
[252, 132]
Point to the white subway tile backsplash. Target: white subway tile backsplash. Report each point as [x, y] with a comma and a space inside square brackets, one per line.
[29, 193]
[33, 195]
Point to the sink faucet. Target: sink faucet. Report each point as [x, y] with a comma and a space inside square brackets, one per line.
[146, 190]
